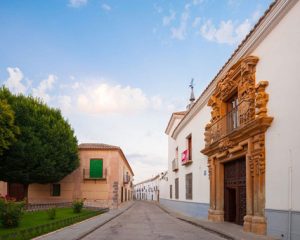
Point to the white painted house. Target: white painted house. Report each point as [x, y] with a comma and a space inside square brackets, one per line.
[234, 154]
[147, 190]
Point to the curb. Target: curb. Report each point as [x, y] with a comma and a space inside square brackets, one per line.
[208, 229]
[222, 233]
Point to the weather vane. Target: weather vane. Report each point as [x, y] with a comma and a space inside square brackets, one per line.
[192, 83]
[192, 97]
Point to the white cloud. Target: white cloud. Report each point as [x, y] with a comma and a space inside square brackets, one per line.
[227, 32]
[106, 98]
[197, 2]
[196, 22]
[44, 86]
[77, 3]
[106, 7]
[168, 19]
[75, 85]
[158, 9]
[14, 81]
[65, 103]
[181, 31]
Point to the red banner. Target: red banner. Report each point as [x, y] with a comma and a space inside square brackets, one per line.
[184, 156]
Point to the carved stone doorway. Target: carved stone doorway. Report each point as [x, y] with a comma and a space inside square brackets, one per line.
[235, 191]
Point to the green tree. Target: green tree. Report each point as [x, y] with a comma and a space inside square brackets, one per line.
[46, 149]
[8, 130]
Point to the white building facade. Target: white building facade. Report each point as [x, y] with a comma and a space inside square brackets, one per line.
[147, 190]
[233, 156]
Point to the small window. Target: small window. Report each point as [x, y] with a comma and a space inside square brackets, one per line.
[55, 190]
[177, 188]
[176, 153]
[170, 191]
[189, 146]
[189, 186]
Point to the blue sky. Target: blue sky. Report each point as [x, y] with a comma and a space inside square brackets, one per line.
[117, 69]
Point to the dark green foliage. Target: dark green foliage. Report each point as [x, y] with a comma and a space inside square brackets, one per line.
[8, 130]
[45, 150]
[10, 212]
[77, 205]
[51, 213]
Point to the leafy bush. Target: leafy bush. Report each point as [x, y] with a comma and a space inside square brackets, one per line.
[51, 213]
[10, 212]
[77, 205]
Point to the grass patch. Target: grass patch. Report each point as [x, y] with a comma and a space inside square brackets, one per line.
[37, 223]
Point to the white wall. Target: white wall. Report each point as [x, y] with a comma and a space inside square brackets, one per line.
[279, 64]
[164, 187]
[150, 190]
[199, 169]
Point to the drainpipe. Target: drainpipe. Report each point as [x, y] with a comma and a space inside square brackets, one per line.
[290, 194]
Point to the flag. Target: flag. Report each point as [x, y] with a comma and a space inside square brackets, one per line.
[184, 156]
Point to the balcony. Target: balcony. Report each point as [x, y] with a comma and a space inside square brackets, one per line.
[126, 179]
[233, 120]
[175, 165]
[87, 175]
[187, 162]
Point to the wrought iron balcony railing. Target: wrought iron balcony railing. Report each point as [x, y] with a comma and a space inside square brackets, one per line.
[236, 118]
[175, 164]
[126, 179]
[88, 176]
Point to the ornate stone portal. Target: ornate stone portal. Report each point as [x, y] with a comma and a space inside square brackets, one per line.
[246, 139]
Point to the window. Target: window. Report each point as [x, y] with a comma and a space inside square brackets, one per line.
[170, 191]
[176, 153]
[96, 168]
[177, 188]
[55, 190]
[232, 113]
[189, 146]
[189, 186]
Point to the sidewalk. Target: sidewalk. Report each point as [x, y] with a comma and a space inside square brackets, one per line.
[224, 229]
[81, 229]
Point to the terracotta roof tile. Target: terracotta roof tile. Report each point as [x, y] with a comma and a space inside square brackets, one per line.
[97, 146]
[102, 146]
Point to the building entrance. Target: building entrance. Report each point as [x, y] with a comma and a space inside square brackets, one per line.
[235, 191]
[16, 190]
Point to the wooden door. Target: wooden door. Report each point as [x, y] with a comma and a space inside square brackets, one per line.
[16, 190]
[235, 191]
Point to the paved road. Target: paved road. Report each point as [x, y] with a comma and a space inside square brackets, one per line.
[146, 221]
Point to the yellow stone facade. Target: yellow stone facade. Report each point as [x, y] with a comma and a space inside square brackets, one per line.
[246, 140]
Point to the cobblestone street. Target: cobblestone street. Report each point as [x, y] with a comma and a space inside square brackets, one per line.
[146, 221]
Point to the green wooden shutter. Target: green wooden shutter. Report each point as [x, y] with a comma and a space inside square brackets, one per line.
[96, 168]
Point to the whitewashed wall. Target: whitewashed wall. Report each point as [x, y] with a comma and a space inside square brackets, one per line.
[199, 166]
[164, 187]
[150, 190]
[279, 63]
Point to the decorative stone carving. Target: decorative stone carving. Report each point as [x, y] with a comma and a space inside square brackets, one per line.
[207, 134]
[209, 165]
[262, 99]
[215, 104]
[225, 144]
[246, 139]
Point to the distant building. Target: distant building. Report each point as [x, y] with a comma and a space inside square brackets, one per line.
[233, 155]
[104, 178]
[147, 190]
